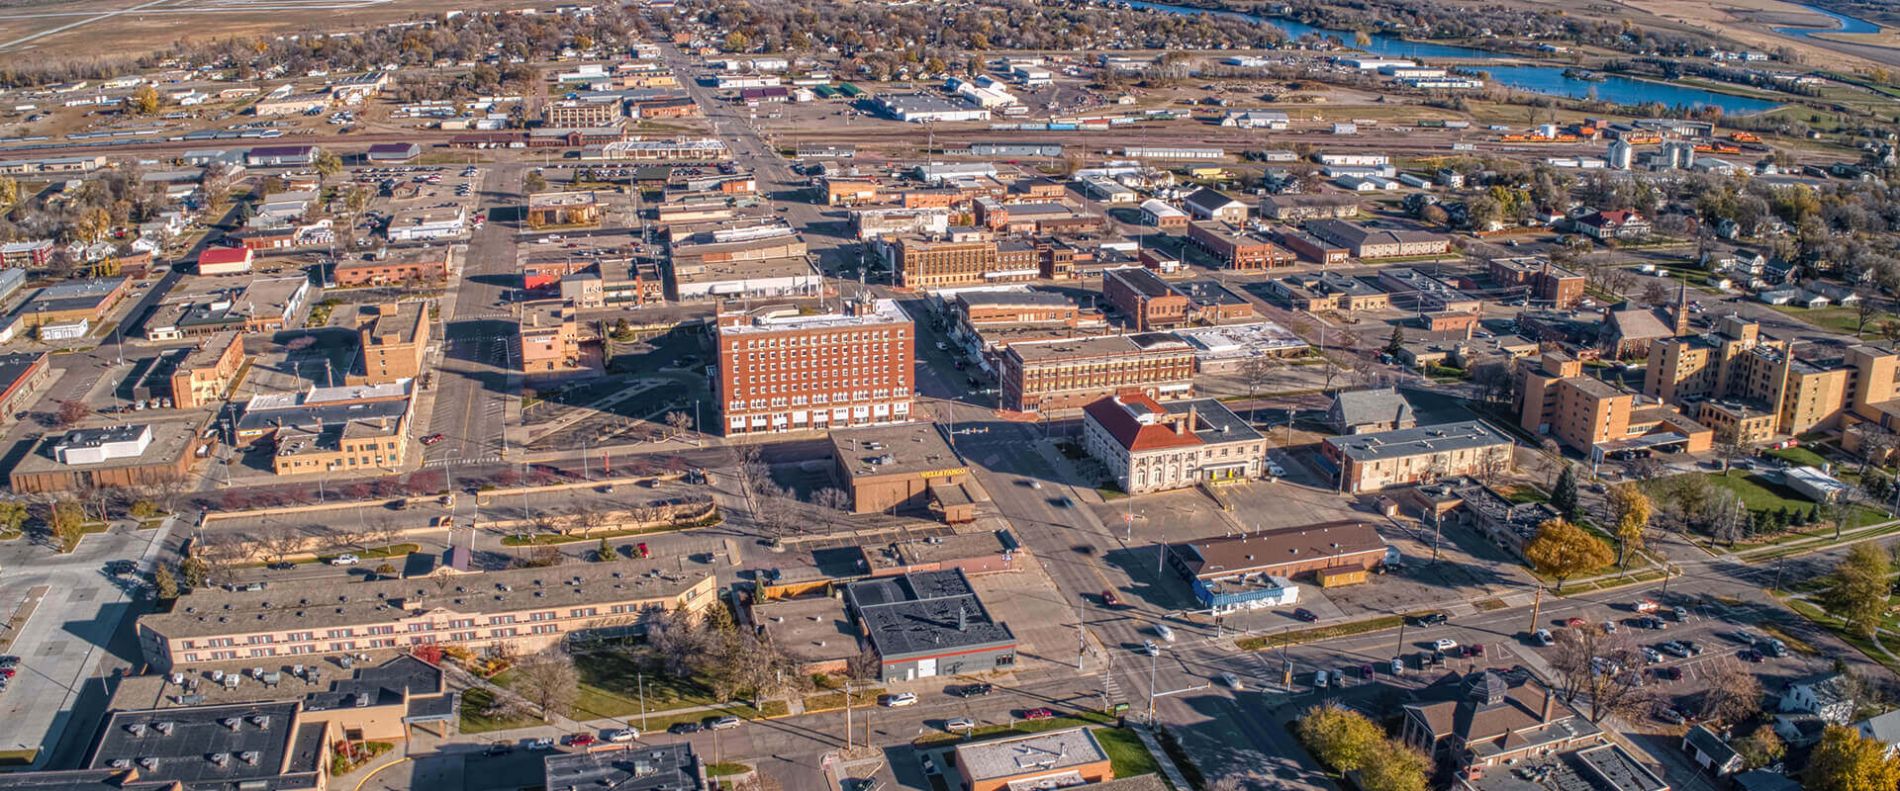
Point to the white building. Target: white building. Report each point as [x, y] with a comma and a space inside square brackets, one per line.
[428, 225]
[97, 445]
[1148, 446]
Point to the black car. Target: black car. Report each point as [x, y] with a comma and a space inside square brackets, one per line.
[9, 661]
[975, 690]
[499, 748]
[121, 567]
[1305, 615]
[683, 727]
[1431, 619]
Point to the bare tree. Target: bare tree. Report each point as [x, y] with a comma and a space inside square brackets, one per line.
[1603, 669]
[1255, 372]
[549, 681]
[1876, 444]
[676, 641]
[380, 531]
[679, 422]
[1733, 695]
[279, 543]
[1728, 517]
[1729, 446]
[832, 503]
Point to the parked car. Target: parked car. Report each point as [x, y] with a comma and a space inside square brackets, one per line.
[1148, 647]
[1542, 637]
[540, 745]
[1670, 714]
[974, 690]
[1038, 713]
[723, 723]
[1674, 649]
[9, 660]
[960, 724]
[578, 739]
[345, 559]
[1165, 633]
[1694, 648]
[1748, 655]
[1305, 615]
[1667, 673]
[1575, 622]
[498, 748]
[1109, 599]
[1232, 681]
[432, 439]
[898, 700]
[1320, 679]
[683, 727]
[1431, 619]
[1651, 655]
[622, 735]
[1445, 644]
[1398, 666]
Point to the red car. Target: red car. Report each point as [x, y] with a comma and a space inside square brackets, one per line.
[1038, 714]
[1575, 623]
[7, 672]
[1109, 599]
[641, 550]
[578, 739]
[432, 439]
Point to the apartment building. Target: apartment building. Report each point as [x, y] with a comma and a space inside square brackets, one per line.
[392, 344]
[1148, 446]
[1555, 398]
[583, 114]
[783, 369]
[518, 610]
[1055, 375]
[548, 337]
[1238, 249]
[1738, 379]
[1371, 462]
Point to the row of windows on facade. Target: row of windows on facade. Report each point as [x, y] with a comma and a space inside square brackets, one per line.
[423, 626]
[821, 398]
[851, 373]
[354, 645]
[853, 350]
[783, 342]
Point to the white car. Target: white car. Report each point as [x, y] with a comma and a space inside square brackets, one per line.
[1319, 679]
[1148, 647]
[1446, 644]
[1276, 470]
[960, 724]
[1543, 637]
[622, 735]
[898, 700]
[345, 559]
[1231, 681]
[541, 744]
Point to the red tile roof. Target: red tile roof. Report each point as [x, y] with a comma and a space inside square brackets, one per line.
[1113, 413]
[224, 255]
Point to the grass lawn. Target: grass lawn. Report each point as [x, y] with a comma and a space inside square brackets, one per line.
[1799, 455]
[726, 769]
[835, 700]
[1271, 641]
[474, 701]
[1523, 493]
[1832, 624]
[376, 553]
[1761, 494]
[1838, 319]
[545, 539]
[1126, 754]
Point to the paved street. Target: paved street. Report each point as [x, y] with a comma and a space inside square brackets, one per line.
[472, 379]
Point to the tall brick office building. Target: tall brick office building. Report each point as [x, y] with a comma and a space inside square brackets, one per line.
[780, 369]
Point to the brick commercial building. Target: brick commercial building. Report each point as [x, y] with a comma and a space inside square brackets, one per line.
[1329, 291]
[146, 454]
[906, 467]
[1148, 446]
[70, 301]
[195, 377]
[1053, 759]
[1757, 376]
[22, 376]
[1313, 248]
[1493, 719]
[1372, 243]
[563, 209]
[1541, 280]
[929, 624]
[1145, 300]
[331, 429]
[1255, 570]
[975, 309]
[1051, 376]
[392, 344]
[1238, 249]
[780, 369]
[1370, 462]
[519, 610]
[548, 337]
[427, 265]
[934, 263]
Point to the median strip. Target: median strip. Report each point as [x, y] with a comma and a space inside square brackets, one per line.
[1303, 636]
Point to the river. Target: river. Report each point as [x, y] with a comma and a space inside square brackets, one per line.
[1847, 24]
[1537, 79]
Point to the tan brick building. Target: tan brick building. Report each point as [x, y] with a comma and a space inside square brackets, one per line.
[427, 265]
[782, 369]
[1048, 376]
[1238, 249]
[548, 337]
[519, 610]
[392, 344]
[205, 374]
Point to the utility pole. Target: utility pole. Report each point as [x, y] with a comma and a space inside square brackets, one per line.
[1154, 661]
[643, 701]
[1537, 605]
[847, 715]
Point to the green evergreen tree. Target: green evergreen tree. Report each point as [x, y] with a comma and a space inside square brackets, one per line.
[1396, 343]
[1563, 495]
[604, 553]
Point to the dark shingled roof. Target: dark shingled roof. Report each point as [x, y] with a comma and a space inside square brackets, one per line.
[924, 613]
